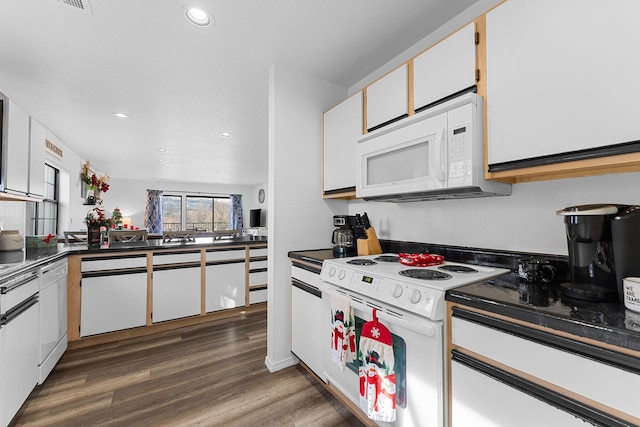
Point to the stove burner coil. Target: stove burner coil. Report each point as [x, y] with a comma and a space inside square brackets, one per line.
[361, 261]
[415, 273]
[458, 268]
[387, 258]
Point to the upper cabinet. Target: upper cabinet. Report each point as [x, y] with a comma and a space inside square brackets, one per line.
[446, 68]
[388, 98]
[37, 138]
[15, 148]
[558, 76]
[342, 127]
[22, 165]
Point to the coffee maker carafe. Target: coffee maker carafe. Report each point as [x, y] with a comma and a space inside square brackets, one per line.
[591, 258]
[343, 239]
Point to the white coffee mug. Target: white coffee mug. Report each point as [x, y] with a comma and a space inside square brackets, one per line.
[631, 289]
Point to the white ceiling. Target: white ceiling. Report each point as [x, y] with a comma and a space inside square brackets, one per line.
[183, 85]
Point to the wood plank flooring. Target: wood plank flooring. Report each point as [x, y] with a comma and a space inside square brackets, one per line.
[211, 374]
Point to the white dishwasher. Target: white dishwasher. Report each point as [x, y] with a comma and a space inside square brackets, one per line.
[309, 338]
[53, 316]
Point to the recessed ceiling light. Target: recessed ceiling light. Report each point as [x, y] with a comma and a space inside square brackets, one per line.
[161, 160]
[162, 150]
[120, 116]
[197, 16]
[226, 134]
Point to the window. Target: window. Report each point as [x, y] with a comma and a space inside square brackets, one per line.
[46, 212]
[202, 213]
[172, 213]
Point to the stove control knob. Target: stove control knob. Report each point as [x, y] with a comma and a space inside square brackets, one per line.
[332, 271]
[397, 291]
[414, 296]
[341, 274]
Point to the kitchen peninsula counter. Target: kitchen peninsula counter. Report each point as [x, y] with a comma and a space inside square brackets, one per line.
[131, 289]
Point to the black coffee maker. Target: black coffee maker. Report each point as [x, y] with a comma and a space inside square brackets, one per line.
[591, 255]
[343, 238]
[625, 231]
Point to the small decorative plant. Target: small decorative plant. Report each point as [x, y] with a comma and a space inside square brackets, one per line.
[96, 218]
[94, 181]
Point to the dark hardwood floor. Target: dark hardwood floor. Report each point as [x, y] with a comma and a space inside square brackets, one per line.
[211, 374]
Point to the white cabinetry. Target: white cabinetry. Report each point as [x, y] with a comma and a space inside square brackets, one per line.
[342, 127]
[113, 294]
[226, 282]
[258, 272]
[15, 148]
[446, 68]
[481, 401]
[177, 284]
[113, 302]
[37, 136]
[509, 357]
[388, 98]
[560, 77]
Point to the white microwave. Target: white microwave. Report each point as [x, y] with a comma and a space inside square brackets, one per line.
[434, 154]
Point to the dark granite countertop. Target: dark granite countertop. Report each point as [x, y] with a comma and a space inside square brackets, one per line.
[314, 256]
[545, 305]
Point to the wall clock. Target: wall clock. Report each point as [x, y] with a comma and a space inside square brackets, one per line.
[261, 196]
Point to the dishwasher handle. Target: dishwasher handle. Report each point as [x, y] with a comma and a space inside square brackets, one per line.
[306, 288]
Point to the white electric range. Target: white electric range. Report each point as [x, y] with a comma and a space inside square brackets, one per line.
[419, 290]
[409, 301]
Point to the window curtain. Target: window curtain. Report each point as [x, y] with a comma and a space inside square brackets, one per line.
[235, 212]
[153, 212]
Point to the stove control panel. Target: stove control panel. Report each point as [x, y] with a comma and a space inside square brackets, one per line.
[420, 300]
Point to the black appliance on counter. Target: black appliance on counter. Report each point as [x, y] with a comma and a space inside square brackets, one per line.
[343, 238]
[625, 231]
[591, 252]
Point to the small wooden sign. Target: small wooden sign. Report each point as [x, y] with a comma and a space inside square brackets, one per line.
[53, 149]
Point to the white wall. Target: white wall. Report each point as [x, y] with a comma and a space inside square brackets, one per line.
[298, 217]
[525, 221]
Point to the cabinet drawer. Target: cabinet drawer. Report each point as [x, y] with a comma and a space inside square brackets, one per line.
[258, 278]
[258, 295]
[175, 258]
[258, 252]
[585, 376]
[114, 263]
[225, 255]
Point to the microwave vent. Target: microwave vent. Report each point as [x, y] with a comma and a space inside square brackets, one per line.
[80, 5]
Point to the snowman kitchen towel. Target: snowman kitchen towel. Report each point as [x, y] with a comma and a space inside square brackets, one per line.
[376, 372]
[343, 338]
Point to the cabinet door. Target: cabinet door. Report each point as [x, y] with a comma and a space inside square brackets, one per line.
[111, 303]
[446, 68]
[342, 128]
[479, 400]
[36, 158]
[567, 87]
[17, 148]
[388, 98]
[176, 293]
[225, 286]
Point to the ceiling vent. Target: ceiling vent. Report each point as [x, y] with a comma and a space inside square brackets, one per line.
[80, 5]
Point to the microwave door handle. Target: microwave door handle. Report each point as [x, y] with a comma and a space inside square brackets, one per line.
[441, 149]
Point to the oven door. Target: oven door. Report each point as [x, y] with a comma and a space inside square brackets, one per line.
[411, 157]
[418, 352]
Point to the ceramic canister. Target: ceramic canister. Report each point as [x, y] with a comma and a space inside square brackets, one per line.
[631, 289]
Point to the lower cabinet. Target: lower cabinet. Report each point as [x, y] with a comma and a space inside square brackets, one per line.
[176, 293]
[482, 401]
[225, 286]
[502, 370]
[113, 302]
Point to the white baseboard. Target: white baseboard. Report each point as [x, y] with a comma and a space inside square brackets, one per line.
[281, 364]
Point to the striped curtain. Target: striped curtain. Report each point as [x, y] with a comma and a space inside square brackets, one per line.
[153, 212]
[235, 212]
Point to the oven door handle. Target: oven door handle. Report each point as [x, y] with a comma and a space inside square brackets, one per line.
[421, 326]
